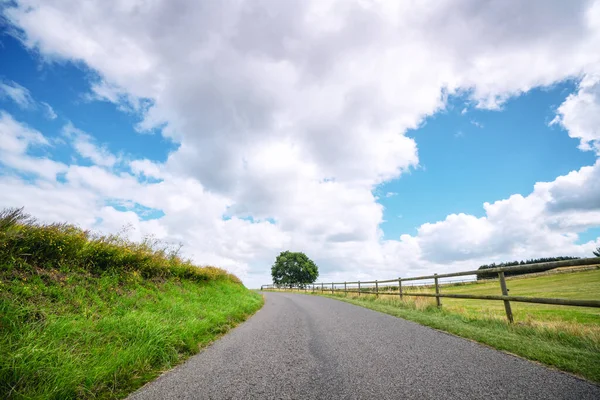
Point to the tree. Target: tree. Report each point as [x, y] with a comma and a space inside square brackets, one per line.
[292, 269]
[597, 252]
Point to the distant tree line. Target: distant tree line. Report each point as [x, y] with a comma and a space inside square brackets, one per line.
[517, 263]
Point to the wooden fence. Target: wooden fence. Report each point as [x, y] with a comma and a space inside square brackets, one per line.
[394, 286]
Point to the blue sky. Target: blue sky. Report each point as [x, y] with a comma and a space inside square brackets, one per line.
[480, 156]
[444, 137]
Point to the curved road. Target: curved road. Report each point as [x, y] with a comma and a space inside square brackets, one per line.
[309, 347]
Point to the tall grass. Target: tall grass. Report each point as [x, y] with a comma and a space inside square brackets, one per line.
[90, 316]
[24, 243]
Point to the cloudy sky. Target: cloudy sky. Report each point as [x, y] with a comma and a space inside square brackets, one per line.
[382, 138]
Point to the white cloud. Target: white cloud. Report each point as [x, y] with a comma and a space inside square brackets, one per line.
[86, 148]
[48, 110]
[106, 92]
[16, 93]
[22, 97]
[295, 111]
[193, 216]
[546, 222]
[146, 168]
[16, 140]
[580, 113]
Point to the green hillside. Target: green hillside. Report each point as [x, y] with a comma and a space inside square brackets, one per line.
[88, 316]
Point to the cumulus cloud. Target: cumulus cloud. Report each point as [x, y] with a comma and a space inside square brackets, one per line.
[146, 168]
[546, 220]
[85, 193]
[289, 114]
[580, 113]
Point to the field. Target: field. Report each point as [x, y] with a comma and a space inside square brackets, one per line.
[567, 338]
[567, 285]
[577, 285]
[86, 316]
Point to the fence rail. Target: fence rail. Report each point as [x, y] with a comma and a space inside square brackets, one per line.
[529, 268]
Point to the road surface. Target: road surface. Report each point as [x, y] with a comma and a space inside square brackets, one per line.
[309, 347]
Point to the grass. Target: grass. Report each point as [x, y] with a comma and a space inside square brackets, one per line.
[566, 285]
[566, 338]
[88, 316]
[577, 285]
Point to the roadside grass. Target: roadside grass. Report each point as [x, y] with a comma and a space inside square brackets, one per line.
[566, 338]
[86, 316]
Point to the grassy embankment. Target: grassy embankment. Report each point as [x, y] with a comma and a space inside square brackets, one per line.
[84, 316]
[567, 338]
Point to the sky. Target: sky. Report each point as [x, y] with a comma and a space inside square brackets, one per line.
[381, 138]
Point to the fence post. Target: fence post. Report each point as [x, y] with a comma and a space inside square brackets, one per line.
[505, 293]
[322, 287]
[376, 289]
[331, 287]
[400, 287]
[438, 300]
[358, 288]
[345, 290]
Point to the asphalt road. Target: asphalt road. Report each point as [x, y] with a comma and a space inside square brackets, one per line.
[309, 347]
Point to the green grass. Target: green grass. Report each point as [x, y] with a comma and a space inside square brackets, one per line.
[583, 285]
[566, 338]
[566, 285]
[86, 316]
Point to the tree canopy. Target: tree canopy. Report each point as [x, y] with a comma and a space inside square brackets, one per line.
[294, 268]
[597, 252]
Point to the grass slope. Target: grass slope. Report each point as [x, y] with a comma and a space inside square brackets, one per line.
[84, 316]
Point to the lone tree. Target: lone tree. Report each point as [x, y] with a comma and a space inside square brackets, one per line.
[597, 252]
[292, 269]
